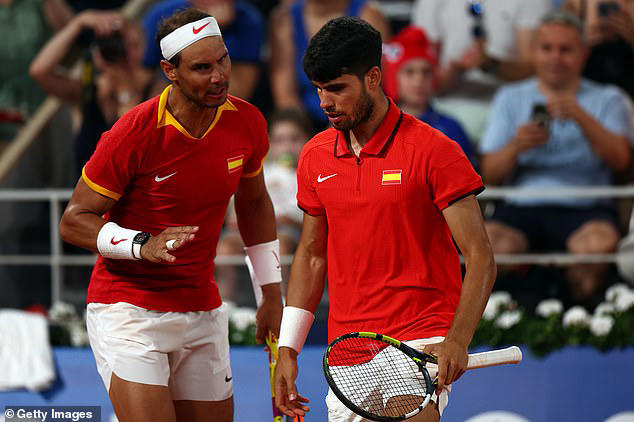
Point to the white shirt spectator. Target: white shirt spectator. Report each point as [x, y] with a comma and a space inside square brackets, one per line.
[449, 23]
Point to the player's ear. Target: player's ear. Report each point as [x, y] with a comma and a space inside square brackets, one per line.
[169, 70]
[373, 77]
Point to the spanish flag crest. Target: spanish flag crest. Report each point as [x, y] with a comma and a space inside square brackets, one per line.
[392, 177]
[235, 163]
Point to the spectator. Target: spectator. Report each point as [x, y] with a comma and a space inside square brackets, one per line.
[610, 34]
[291, 28]
[586, 142]
[410, 63]
[481, 44]
[112, 80]
[25, 25]
[242, 30]
[289, 130]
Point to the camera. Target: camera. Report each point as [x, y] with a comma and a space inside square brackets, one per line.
[541, 116]
[475, 10]
[111, 48]
[607, 7]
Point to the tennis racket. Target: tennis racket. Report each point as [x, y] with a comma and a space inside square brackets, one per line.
[383, 379]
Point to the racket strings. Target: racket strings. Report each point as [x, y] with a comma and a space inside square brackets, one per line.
[377, 378]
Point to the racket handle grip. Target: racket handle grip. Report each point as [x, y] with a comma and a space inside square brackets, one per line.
[506, 356]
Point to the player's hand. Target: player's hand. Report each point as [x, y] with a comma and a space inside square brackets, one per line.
[287, 399]
[155, 249]
[529, 136]
[452, 361]
[269, 315]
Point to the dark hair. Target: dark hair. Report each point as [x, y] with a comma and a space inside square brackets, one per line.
[293, 115]
[172, 23]
[343, 45]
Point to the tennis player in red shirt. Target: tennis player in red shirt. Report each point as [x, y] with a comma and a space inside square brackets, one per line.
[383, 196]
[151, 202]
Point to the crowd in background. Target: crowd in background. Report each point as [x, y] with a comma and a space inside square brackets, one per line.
[538, 93]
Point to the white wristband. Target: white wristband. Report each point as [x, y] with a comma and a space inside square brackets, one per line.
[295, 326]
[265, 259]
[115, 242]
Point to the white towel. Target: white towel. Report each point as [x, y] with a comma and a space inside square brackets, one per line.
[26, 359]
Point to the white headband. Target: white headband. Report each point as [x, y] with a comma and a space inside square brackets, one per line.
[186, 35]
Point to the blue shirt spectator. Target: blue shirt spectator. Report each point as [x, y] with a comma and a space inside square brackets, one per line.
[567, 159]
[450, 127]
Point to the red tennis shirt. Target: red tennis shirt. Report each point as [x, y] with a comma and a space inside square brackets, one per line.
[392, 264]
[161, 177]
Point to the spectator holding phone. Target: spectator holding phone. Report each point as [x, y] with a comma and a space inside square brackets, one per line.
[112, 79]
[557, 130]
[609, 28]
[481, 44]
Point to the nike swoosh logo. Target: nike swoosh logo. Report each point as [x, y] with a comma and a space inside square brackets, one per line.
[321, 179]
[116, 242]
[279, 264]
[227, 379]
[199, 29]
[160, 179]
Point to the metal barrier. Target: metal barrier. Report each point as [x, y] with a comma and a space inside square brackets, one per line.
[57, 259]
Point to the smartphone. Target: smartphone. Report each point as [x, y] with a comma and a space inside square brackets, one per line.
[475, 10]
[541, 116]
[607, 7]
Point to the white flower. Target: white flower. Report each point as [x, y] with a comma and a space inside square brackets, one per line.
[612, 294]
[508, 319]
[548, 307]
[497, 302]
[624, 301]
[601, 325]
[604, 308]
[78, 334]
[242, 318]
[61, 311]
[576, 316]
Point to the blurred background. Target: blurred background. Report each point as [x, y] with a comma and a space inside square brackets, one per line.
[558, 203]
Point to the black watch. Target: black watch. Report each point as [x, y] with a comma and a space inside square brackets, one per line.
[139, 240]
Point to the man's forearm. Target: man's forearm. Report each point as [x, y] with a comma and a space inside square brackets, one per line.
[476, 288]
[613, 149]
[498, 166]
[256, 219]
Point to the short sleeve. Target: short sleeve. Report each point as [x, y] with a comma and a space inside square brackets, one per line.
[425, 16]
[115, 160]
[260, 137]
[451, 176]
[307, 199]
[531, 13]
[617, 115]
[500, 126]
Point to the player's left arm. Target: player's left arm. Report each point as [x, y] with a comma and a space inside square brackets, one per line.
[256, 222]
[467, 227]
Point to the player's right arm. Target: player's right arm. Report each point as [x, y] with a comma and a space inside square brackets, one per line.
[82, 221]
[305, 288]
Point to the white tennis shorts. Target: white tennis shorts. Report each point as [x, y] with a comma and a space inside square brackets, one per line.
[188, 352]
[338, 412]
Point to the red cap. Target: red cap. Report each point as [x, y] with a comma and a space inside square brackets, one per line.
[410, 43]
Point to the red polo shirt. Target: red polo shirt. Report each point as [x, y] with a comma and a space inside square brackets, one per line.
[161, 176]
[392, 264]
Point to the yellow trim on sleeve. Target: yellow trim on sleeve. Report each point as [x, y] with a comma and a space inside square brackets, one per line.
[165, 118]
[254, 173]
[100, 190]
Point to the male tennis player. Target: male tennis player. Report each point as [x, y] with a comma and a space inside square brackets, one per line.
[383, 194]
[163, 177]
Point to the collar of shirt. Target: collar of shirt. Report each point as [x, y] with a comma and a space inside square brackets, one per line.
[383, 136]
